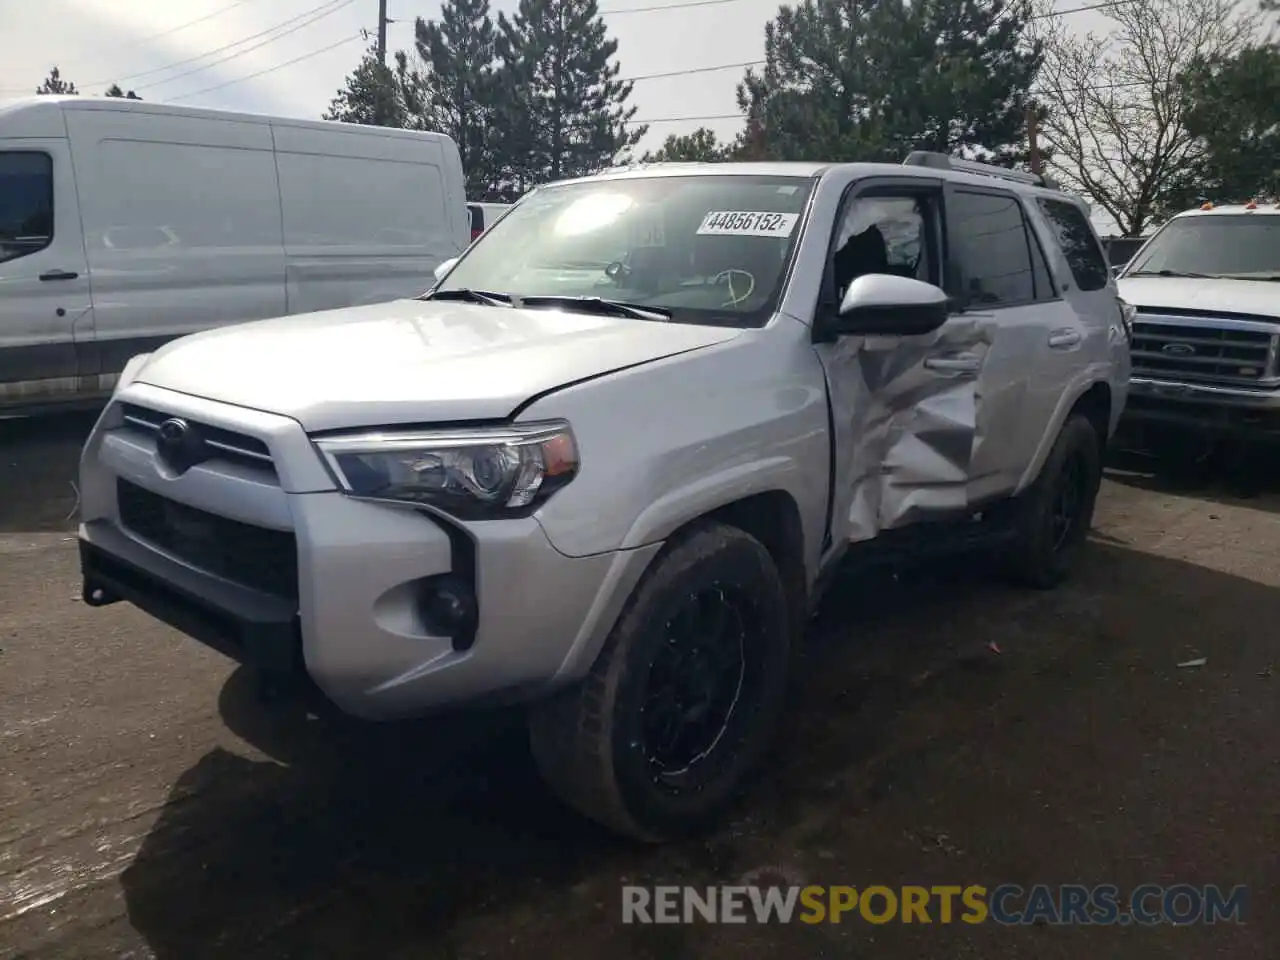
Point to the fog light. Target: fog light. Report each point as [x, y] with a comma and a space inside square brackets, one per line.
[449, 607]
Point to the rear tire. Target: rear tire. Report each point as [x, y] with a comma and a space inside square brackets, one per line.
[1053, 518]
[685, 699]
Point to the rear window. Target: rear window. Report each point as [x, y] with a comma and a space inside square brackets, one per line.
[1079, 245]
[26, 203]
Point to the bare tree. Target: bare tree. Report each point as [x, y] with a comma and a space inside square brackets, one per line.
[1115, 125]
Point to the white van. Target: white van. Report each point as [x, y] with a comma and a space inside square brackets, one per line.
[125, 224]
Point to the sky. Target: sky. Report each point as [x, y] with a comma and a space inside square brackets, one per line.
[240, 54]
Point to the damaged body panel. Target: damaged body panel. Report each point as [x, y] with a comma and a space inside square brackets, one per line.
[913, 426]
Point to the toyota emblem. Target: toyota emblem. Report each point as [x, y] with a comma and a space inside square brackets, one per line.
[178, 445]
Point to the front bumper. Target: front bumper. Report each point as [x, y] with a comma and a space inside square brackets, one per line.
[1202, 408]
[354, 629]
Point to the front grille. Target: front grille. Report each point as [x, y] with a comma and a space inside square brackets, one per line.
[265, 560]
[222, 444]
[1202, 348]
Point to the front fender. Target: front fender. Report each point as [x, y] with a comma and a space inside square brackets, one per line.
[679, 507]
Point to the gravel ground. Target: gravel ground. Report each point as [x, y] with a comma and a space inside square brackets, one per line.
[149, 807]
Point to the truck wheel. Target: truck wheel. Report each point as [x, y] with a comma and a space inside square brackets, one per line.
[1055, 514]
[683, 702]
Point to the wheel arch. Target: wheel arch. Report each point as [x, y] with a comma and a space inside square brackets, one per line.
[1092, 396]
[772, 517]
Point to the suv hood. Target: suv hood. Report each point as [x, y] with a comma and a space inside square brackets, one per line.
[410, 361]
[1258, 297]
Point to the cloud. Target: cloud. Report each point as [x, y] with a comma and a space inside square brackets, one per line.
[98, 42]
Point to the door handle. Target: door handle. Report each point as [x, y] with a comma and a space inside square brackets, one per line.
[1062, 339]
[957, 363]
[59, 275]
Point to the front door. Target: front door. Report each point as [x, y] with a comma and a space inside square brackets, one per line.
[45, 309]
[906, 410]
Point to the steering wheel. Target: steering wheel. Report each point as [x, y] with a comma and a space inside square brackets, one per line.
[726, 277]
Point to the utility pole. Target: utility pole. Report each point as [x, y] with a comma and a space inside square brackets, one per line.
[382, 32]
[1032, 143]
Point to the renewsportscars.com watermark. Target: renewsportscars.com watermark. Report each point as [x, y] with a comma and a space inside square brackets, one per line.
[1008, 904]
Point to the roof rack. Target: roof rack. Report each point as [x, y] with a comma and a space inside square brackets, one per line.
[941, 161]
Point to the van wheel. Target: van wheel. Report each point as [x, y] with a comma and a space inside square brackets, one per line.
[684, 701]
[1054, 517]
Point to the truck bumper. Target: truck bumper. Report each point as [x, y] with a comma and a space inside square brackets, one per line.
[1168, 405]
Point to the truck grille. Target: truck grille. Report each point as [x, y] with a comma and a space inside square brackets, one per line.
[225, 445]
[1183, 345]
[254, 557]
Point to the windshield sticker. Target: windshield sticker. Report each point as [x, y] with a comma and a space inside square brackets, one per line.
[745, 223]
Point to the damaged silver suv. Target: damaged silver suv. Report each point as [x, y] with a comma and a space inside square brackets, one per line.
[605, 465]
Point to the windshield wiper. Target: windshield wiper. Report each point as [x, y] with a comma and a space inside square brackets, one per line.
[1177, 273]
[599, 305]
[470, 296]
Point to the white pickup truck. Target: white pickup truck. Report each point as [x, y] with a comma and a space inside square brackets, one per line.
[605, 465]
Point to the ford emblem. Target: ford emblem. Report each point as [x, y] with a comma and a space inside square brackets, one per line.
[1178, 349]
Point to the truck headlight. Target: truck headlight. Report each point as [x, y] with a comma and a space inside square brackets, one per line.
[479, 474]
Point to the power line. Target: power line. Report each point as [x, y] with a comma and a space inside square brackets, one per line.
[313, 15]
[279, 66]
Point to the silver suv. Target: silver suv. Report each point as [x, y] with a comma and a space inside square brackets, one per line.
[605, 465]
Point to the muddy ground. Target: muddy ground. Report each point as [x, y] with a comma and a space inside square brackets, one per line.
[149, 807]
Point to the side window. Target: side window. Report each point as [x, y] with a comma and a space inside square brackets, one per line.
[990, 245]
[886, 234]
[1076, 237]
[26, 203]
[1040, 267]
[477, 220]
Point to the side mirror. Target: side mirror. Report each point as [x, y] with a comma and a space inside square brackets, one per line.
[444, 268]
[879, 304]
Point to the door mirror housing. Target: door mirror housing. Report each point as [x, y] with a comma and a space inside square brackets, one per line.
[879, 304]
[444, 268]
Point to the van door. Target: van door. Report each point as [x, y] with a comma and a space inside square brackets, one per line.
[45, 307]
[182, 226]
[385, 222]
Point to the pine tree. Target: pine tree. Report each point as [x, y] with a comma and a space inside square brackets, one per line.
[457, 87]
[54, 84]
[372, 96]
[700, 146]
[1232, 108]
[115, 91]
[564, 111]
[875, 79]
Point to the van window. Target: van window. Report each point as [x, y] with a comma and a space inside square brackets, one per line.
[990, 244]
[26, 203]
[1075, 236]
[345, 201]
[158, 197]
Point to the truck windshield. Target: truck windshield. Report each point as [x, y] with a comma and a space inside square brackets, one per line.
[1237, 246]
[698, 249]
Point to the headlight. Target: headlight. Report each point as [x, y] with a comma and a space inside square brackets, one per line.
[478, 474]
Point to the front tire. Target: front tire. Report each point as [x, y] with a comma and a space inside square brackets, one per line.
[684, 700]
[1052, 522]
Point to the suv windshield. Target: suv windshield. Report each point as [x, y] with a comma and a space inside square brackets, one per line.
[700, 249]
[1239, 246]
